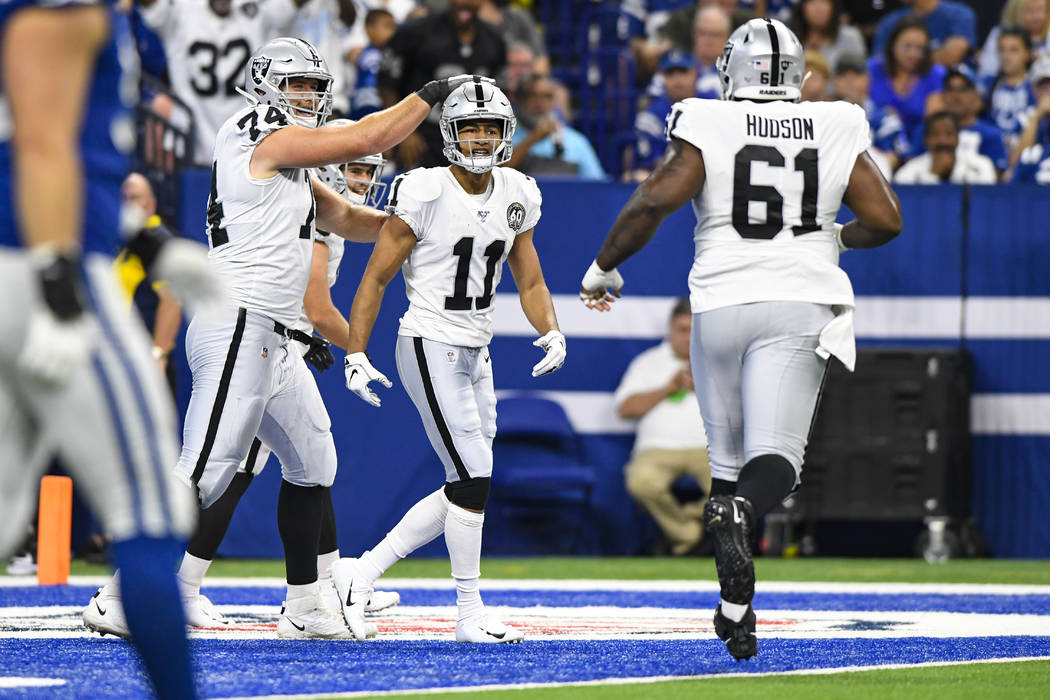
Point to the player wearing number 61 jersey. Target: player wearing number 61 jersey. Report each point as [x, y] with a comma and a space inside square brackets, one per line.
[450, 231]
[770, 304]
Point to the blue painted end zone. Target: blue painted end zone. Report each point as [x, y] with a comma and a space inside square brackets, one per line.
[100, 668]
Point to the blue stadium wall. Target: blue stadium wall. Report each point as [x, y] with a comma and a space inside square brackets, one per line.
[970, 270]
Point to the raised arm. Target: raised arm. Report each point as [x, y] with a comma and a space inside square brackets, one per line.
[874, 203]
[356, 223]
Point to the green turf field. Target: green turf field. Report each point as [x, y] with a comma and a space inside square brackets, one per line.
[1015, 571]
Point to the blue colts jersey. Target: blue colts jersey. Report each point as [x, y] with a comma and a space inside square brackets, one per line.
[107, 135]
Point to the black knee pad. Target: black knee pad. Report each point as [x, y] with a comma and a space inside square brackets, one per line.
[471, 494]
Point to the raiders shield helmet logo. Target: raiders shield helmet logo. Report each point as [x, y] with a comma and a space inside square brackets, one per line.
[260, 65]
[515, 216]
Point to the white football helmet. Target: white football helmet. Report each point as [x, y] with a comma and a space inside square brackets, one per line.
[270, 68]
[471, 101]
[763, 60]
[354, 187]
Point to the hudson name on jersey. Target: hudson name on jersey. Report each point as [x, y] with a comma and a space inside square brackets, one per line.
[463, 239]
[775, 175]
[261, 231]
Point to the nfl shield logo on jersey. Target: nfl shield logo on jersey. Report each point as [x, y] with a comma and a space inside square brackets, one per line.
[482, 215]
[515, 216]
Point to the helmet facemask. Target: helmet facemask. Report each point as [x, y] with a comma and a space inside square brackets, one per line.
[469, 152]
[272, 69]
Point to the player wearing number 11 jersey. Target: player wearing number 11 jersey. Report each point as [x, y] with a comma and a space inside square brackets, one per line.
[770, 304]
[450, 231]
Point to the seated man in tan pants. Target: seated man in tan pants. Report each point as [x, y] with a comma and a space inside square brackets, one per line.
[657, 391]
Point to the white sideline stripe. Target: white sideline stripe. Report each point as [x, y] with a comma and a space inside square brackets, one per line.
[661, 586]
[881, 317]
[990, 414]
[26, 682]
[640, 680]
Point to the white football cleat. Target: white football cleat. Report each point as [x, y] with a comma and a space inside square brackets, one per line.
[381, 600]
[304, 618]
[354, 594]
[200, 612]
[486, 629]
[105, 613]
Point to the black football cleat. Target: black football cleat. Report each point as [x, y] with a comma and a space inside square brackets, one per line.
[739, 636]
[730, 521]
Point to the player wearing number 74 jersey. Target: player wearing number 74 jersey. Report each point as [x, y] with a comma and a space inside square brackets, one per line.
[770, 304]
[449, 231]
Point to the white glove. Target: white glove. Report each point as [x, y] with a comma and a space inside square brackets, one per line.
[838, 239]
[184, 266]
[554, 345]
[600, 287]
[53, 348]
[359, 372]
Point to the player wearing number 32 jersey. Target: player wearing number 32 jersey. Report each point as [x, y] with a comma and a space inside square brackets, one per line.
[450, 231]
[766, 176]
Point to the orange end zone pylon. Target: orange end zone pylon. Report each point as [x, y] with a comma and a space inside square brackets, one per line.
[54, 530]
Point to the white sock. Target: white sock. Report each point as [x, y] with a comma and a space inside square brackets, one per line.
[191, 574]
[324, 565]
[463, 538]
[304, 590]
[421, 524]
[734, 611]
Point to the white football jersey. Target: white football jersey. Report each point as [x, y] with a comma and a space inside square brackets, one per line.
[453, 271]
[775, 176]
[261, 231]
[336, 245]
[207, 55]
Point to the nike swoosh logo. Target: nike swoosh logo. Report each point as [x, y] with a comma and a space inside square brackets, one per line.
[501, 635]
[301, 628]
[101, 610]
[738, 517]
[349, 593]
[352, 374]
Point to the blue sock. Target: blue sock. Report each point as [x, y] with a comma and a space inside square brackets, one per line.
[154, 612]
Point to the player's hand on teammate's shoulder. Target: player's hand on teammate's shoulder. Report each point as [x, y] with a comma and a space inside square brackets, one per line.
[600, 288]
[359, 372]
[61, 335]
[553, 343]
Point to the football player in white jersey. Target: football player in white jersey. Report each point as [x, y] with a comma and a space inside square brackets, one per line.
[450, 231]
[766, 176]
[319, 311]
[208, 44]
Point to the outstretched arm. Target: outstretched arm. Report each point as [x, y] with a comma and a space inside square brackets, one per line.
[532, 289]
[676, 180]
[396, 241]
[318, 304]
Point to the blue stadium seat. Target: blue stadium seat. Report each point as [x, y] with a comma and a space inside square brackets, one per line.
[541, 485]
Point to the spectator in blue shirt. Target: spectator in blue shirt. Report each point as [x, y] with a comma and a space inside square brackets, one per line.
[1033, 145]
[906, 79]
[365, 98]
[852, 83]
[1009, 95]
[952, 28]
[543, 143]
[962, 101]
[678, 70]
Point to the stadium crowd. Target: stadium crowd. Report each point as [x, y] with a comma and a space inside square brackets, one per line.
[947, 99]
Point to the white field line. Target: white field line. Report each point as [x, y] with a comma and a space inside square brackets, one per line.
[632, 681]
[701, 586]
[26, 682]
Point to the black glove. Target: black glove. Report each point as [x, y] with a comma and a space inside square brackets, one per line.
[60, 284]
[436, 91]
[317, 353]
